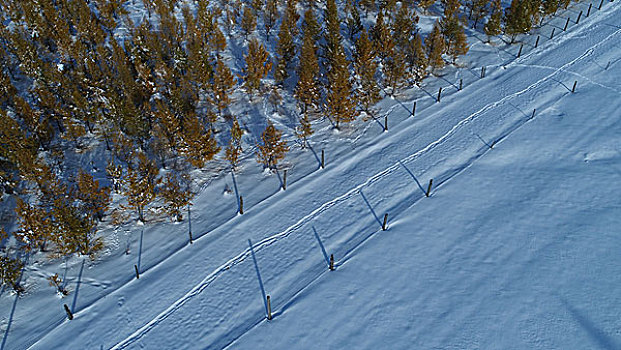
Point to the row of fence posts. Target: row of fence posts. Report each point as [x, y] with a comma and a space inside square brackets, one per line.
[331, 265]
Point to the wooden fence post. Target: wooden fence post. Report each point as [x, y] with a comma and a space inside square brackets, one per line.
[578, 19]
[461, 83]
[552, 35]
[385, 222]
[600, 5]
[386, 123]
[520, 52]
[322, 159]
[537, 42]
[331, 262]
[269, 308]
[573, 89]
[69, 314]
[566, 24]
[284, 181]
[137, 273]
[533, 115]
[429, 188]
[190, 223]
[414, 109]
[439, 94]
[241, 205]
[482, 72]
[589, 10]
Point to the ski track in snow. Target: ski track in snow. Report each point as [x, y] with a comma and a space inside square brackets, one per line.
[375, 178]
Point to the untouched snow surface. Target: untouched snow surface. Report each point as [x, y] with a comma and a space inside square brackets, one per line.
[517, 247]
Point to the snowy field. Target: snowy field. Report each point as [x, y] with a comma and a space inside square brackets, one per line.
[517, 247]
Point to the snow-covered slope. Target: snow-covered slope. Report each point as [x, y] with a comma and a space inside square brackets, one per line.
[514, 249]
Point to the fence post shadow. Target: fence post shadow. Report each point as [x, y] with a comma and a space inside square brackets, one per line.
[235, 187]
[371, 208]
[256, 267]
[323, 248]
[315, 154]
[413, 177]
[77, 288]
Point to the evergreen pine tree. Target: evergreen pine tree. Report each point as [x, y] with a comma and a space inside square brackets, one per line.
[452, 30]
[549, 7]
[394, 70]
[249, 21]
[273, 148]
[285, 47]
[517, 19]
[381, 36]
[365, 67]
[35, 225]
[140, 182]
[222, 86]
[434, 43]
[10, 271]
[257, 65]
[307, 90]
[234, 149]
[492, 27]
[199, 146]
[340, 102]
[176, 194]
[95, 199]
[270, 16]
[416, 58]
[305, 129]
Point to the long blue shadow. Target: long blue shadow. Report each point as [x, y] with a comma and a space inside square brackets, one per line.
[236, 190]
[323, 249]
[140, 248]
[596, 334]
[370, 208]
[8, 326]
[279, 179]
[256, 267]
[314, 153]
[77, 288]
[413, 177]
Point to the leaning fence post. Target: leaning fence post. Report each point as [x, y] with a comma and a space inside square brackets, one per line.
[600, 5]
[566, 24]
[284, 181]
[385, 222]
[137, 273]
[190, 223]
[552, 35]
[573, 89]
[322, 159]
[241, 205]
[331, 262]
[439, 94]
[537, 42]
[429, 188]
[385, 123]
[69, 314]
[461, 83]
[482, 72]
[269, 308]
[589, 10]
[533, 115]
[578, 19]
[414, 109]
[520, 52]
